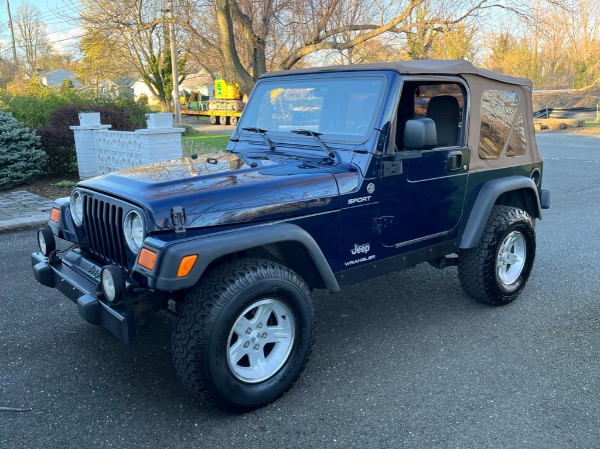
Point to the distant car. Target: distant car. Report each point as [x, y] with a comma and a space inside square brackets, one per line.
[333, 176]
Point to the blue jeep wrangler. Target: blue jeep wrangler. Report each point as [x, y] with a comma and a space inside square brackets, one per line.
[333, 176]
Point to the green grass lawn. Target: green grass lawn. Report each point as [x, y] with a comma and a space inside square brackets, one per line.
[589, 128]
[204, 143]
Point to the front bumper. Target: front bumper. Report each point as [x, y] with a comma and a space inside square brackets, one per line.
[78, 280]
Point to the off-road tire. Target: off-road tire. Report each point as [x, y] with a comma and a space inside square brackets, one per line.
[483, 271]
[202, 339]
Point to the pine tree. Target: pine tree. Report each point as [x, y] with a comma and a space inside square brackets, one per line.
[21, 159]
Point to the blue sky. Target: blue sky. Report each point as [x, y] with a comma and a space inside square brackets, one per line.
[54, 14]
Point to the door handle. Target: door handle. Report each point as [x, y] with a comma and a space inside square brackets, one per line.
[454, 160]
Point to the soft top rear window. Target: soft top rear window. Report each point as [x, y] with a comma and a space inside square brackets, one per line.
[502, 127]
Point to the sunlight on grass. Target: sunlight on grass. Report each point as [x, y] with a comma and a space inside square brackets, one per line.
[590, 128]
[204, 143]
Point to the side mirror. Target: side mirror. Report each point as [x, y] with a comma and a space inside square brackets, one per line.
[420, 134]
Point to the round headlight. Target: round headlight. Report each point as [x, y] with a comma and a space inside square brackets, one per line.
[134, 231]
[77, 207]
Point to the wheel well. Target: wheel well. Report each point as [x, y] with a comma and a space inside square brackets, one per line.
[523, 199]
[290, 254]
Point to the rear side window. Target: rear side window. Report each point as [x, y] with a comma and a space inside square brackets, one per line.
[502, 126]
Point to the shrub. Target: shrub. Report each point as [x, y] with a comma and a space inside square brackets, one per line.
[134, 110]
[21, 160]
[33, 103]
[189, 129]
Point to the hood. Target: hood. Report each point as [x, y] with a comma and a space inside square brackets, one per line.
[224, 188]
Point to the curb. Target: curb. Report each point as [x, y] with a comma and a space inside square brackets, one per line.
[20, 224]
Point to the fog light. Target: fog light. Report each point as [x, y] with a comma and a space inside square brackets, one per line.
[112, 283]
[46, 241]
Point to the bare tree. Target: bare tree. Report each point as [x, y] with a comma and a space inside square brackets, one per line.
[558, 46]
[30, 37]
[130, 34]
[249, 37]
[580, 27]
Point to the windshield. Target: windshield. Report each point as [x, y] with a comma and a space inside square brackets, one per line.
[338, 108]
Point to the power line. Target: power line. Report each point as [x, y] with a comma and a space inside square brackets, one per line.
[67, 39]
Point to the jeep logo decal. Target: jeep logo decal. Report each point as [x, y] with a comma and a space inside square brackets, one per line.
[358, 249]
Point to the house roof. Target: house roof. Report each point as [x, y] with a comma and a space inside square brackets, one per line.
[122, 82]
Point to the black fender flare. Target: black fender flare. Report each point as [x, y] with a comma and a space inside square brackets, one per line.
[486, 199]
[211, 247]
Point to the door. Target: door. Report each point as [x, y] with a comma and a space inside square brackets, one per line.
[426, 200]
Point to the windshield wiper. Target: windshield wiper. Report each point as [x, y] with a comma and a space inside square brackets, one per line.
[308, 132]
[263, 134]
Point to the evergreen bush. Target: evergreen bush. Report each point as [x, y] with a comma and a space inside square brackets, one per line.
[21, 159]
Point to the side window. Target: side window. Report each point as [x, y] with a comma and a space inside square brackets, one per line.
[425, 92]
[443, 102]
[502, 129]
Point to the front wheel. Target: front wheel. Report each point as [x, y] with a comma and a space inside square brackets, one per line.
[497, 269]
[244, 335]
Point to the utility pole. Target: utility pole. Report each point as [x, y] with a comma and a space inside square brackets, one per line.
[175, 73]
[12, 34]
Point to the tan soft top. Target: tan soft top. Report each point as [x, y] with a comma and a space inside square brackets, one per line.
[479, 80]
[419, 67]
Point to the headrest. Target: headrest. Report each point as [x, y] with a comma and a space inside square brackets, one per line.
[420, 134]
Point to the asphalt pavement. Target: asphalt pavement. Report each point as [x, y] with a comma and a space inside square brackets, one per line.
[402, 361]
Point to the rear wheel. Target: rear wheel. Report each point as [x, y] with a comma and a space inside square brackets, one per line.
[233, 121]
[497, 269]
[244, 335]
[223, 120]
[213, 119]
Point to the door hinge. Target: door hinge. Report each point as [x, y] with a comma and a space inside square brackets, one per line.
[390, 168]
[178, 220]
[381, 223]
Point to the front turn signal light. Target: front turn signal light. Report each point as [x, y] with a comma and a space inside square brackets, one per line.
[55, 215]
[147, 259]
[186, 265]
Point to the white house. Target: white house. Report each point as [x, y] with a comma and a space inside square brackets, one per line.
[120, 87]
[201, 83]
[140, 88]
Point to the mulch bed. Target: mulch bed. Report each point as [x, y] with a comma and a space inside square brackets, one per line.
[46, 187]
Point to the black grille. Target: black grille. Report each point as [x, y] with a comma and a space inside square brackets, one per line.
[103, 222]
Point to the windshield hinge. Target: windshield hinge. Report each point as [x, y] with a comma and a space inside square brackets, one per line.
[390, 168]
[178, 219]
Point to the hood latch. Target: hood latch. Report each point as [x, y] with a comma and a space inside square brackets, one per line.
[178, 219]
